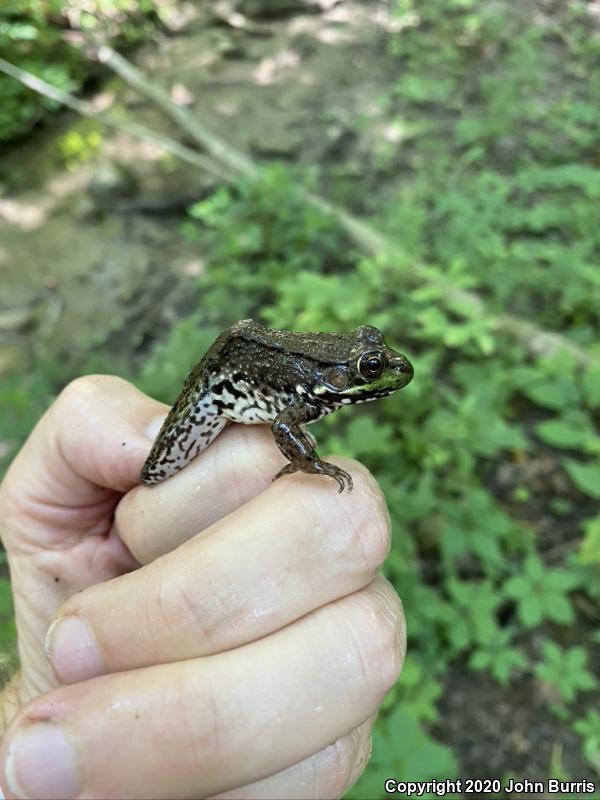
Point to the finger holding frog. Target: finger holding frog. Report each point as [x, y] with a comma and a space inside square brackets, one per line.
[293, 548]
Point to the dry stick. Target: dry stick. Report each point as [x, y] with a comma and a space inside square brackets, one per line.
[232, 163]
[217, 148]
[536, 340]
[139, 131]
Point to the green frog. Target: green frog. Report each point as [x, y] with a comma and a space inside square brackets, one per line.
[255, 375]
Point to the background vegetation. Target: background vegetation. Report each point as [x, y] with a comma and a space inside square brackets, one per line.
[491, 458]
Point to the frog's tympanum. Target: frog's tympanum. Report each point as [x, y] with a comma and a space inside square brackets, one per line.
[254, 375]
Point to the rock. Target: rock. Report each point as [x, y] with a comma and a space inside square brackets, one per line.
[110, 182]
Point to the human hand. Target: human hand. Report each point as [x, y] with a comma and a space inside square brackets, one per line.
[247, 655]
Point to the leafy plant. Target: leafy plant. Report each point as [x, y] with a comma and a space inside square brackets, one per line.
[33, 36]
[541, 593]
[565, 670]
[589, 729]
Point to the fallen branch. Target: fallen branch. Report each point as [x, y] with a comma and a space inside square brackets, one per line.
[132, 128]
[230, 163]
[204, 138]
[536, 340]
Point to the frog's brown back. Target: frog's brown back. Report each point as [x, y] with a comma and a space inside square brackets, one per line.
[235, 343]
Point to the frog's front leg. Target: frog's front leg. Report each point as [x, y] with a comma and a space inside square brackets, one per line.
[296, 446]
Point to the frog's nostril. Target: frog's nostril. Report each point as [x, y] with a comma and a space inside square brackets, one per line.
[405, 366]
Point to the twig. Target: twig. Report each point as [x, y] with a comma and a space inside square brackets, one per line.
[207, 141]
[536, 340]
[133, 128]
[231, 163]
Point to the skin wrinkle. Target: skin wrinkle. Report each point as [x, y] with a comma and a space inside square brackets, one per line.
[328, 773]
[350, 531]
[334, 761]
[231, 619]
[187, 598]
[358, 653]
[62, 432]
[390, 637]
[56, 517]
[362, 753]
[134, 539]
[208, 747]
[162, 607]
[345, 754]
[383, 639]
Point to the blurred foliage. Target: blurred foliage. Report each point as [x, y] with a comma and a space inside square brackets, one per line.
[47, 37]
[498, 193]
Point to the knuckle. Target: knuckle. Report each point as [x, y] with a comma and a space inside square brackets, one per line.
[79, 389]
[369, 519]
[131, 524]
[197, 723]
[383, 635]
[340, 764]
[191, 605]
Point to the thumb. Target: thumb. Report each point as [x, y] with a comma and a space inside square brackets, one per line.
[57, 503]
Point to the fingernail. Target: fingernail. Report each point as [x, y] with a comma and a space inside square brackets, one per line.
[41, 764]
[154, 427]
[73, 651]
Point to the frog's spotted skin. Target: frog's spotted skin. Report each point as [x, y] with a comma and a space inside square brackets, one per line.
[190, 427]
[253, 375]
[245, 403]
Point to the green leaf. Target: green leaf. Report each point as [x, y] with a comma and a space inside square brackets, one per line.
[585, 476]
[559, 433]
[556, 394]
[590, 546]
[530, 611]
[590, 384]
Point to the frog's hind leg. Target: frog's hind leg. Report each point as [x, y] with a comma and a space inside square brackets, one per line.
[298, 446]
[310, 436]
[192, 424]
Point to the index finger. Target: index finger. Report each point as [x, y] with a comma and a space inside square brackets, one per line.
[238, 465]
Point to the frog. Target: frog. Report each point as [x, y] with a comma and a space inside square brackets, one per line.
[256, 375]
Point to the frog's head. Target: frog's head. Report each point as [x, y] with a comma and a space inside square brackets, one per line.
[371, 370]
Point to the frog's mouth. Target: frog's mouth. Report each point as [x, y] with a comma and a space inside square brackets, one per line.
[399, 372]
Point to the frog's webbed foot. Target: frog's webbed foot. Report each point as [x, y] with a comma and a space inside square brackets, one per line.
[298, 446]
[318, 467]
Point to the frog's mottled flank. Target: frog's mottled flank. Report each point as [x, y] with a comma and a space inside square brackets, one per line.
[254, 375]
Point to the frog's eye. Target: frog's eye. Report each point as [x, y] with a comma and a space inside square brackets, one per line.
[371, 365]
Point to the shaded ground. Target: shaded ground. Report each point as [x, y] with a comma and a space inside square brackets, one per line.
[92, 251]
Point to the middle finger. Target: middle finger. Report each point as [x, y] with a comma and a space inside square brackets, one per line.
[290, 550]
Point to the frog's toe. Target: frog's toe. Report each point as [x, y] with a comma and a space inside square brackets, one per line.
[287, 470]
[343, 478]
